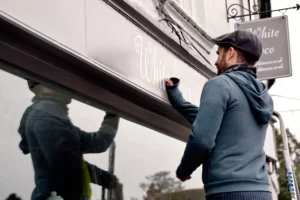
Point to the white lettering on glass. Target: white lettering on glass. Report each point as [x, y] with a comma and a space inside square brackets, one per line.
[154, 69]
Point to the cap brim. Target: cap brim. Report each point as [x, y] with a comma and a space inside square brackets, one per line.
[220, 39]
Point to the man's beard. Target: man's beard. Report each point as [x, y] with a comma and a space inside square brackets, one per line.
[222, 65]
[221, 68]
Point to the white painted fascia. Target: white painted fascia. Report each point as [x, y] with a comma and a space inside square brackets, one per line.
[188, 23]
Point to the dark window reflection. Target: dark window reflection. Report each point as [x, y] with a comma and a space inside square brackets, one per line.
[56, 146]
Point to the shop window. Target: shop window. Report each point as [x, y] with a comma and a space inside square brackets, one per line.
[34, 138]
[143, 158]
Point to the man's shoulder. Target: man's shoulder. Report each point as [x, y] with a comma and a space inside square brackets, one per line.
[217, 87]
[43, 102]
[219, 81]
[46, 109]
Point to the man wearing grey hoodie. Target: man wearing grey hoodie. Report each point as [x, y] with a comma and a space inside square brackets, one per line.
[57, 146]
[229, 128]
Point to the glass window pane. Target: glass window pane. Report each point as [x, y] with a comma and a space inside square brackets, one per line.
[17, 175]
[141, 153]
[46, 139]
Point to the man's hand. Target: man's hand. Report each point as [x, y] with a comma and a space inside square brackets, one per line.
[169, 82]
[183, 179]
[113, 183]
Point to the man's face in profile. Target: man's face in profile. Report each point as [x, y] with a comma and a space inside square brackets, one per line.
[65, 97]
[221, 61]
[41, 89]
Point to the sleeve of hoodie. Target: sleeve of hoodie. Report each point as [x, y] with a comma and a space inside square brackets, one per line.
[214, 100]
[62, 151]
[185, 108]
[100, 141]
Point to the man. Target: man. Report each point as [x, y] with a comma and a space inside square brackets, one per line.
[56, 146]
[229, 127]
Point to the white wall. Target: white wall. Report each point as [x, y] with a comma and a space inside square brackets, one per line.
[51, 18]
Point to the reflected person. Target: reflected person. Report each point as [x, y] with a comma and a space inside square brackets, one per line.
[57, 146]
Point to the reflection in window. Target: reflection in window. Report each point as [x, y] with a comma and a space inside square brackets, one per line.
[146, 162]
[55, 145]
[36, 127]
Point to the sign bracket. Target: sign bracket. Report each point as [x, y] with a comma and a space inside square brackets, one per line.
[234, 10]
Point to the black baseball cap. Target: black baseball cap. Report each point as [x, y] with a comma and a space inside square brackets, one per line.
[243, 40]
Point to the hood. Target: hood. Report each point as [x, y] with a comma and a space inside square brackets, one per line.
[256, 92]
[57, 108]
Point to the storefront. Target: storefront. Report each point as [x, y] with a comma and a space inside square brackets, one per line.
[109, 56]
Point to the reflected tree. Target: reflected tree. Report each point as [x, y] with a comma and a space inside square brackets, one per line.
[160, 183]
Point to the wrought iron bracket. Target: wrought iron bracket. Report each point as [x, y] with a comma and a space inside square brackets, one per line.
[236, 11]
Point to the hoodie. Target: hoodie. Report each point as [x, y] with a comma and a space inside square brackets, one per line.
[57, 146]
[228, 133]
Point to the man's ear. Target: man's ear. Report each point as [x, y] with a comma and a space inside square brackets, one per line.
[231, 52]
